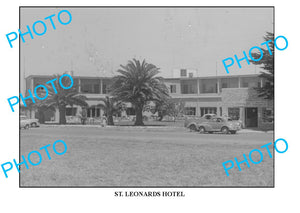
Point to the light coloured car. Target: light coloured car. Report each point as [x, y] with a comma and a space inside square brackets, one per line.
[25, 124]
[238, 122]
[219, 124]
[32, 121]
[192, 123]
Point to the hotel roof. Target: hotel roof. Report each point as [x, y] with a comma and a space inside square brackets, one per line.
[166, 78]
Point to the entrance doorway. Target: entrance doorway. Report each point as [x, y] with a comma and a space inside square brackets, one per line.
[251, 117]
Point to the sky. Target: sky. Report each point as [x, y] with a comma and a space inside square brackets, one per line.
[98, 40]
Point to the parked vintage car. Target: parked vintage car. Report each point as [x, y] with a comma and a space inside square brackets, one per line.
[219, 124]
[192, 123]
[239, 122]
[32, 122]
[25, 124]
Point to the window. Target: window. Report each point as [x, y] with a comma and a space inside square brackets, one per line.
[245, 84]
[86, 88]
[234, 113]
[71, 111]
[209, 86]
[268, 115]
[93, 112]
[191, 75]
[183, 73]
[188, 88]
[190, 110]
[96, 88]
[250, 82]
[90, 86]
[208, 110]
[185, 89]
[104, 89]
[173, 88]
[229, 82]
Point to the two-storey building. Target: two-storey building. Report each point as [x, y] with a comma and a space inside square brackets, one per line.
[232, 96]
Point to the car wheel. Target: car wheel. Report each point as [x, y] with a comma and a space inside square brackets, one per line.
[192, 128]
[26, 126]
[33, 125]
[233, 132]
[225, 130]
[201, 129]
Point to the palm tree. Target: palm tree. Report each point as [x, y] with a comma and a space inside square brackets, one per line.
[138, 84]
[111, 106]
[63, 97]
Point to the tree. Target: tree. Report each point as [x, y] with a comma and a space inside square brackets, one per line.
[170, 107]
[63, 97]
[40, 110]
[111, 106]
[138, 84]
[267, 63]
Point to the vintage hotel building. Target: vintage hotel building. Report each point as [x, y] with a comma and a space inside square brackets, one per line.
[228, 95]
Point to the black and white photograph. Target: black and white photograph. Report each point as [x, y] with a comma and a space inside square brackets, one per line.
[167, 97]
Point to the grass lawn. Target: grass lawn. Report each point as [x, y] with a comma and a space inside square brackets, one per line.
[134, 156]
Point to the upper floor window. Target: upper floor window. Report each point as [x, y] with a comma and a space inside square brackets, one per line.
[86, 88]
[208, 86]
[173, 88]
[229, 83]
[104, 89]
[90, 86]
[183, 73]
[250, 82]
[188, 88]
[245, 84]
